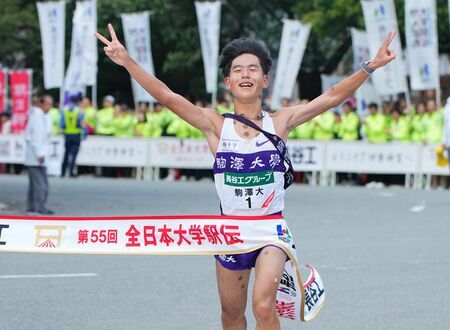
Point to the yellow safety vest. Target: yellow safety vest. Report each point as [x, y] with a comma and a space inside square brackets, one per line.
[71, 121]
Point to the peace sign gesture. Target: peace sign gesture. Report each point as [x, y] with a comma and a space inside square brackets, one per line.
[114, 49]
[384, 55]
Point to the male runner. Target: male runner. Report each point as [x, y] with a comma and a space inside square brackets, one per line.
[240, 150]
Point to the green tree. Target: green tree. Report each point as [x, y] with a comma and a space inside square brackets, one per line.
[20, 37]
[176, 43]
[330, 37]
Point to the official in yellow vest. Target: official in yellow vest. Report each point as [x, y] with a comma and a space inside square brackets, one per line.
[159, 119]
[179, 128]
[305, 130]
[105, 117]
[55, 118]
[165, 116]
[418, 123]
[400, 127]
[375, 127]
[323, 126]
[90, 115]
[349, 128]
[124, 122]
[72, 127]
[337, 126]
[142, 128]
[387, 108]
[156, 120]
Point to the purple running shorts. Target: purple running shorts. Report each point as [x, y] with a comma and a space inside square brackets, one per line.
[242, 261]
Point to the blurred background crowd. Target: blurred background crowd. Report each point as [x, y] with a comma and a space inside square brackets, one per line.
[393, 121]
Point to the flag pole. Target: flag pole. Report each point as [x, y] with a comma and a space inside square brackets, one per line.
[438, 97]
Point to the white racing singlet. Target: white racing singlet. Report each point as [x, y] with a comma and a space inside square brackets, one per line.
[249, 173]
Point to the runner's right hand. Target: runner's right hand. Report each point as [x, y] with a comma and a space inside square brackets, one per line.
[114, 49]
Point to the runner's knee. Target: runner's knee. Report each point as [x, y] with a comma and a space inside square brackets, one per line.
[232, 311]
[264, 309]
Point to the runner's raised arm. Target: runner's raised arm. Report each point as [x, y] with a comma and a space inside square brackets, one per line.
[297, 115]
[204, 119]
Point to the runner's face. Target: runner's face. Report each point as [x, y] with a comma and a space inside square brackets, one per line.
[247, 78]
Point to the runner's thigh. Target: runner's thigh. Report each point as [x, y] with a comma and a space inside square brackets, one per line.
[232, 286]
[268, 271]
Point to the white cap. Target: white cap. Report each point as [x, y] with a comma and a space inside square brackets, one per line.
[109, 98]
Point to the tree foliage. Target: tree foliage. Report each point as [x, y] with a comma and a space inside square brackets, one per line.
[176, 43]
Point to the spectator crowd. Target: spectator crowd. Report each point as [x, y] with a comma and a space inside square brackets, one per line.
[393, 121]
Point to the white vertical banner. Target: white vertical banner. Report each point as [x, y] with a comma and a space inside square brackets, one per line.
[82, 69]
[208, 17]
[293, 43]
[88, 26]
[422, 44]
[52, 17]
[136, 30]
[380, 18]
[360, 47]
[366, 93]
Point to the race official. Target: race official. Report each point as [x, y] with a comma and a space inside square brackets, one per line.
[71, 125]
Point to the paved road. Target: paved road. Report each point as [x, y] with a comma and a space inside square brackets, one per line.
[384, 256]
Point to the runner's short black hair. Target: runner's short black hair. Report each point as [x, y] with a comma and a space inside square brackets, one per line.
[244, 46]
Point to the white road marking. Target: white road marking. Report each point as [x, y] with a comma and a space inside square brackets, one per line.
[418, 208]
[387, 194]
[4, 277]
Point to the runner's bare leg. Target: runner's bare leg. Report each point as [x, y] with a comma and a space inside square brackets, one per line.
[268, 271]
[233, 286]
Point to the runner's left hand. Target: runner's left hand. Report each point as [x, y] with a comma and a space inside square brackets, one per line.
[384, 55]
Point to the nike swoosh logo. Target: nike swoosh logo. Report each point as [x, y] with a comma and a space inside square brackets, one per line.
[260, 144]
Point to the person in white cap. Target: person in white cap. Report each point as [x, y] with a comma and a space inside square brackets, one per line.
[105, 117]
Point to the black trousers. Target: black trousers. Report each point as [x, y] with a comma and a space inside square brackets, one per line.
[72, 145]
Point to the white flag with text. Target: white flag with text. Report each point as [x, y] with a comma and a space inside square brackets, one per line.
[422, 44]
[136, 29]
[82, 69]
[208, 17]
[360, 47]
[380, 18]
[366, 93]
[293, 43]
[52, 26]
